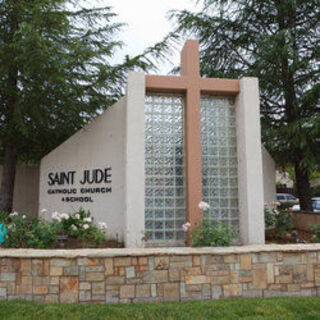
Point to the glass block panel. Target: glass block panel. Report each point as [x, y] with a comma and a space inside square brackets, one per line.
[219, 159]
[164, 168]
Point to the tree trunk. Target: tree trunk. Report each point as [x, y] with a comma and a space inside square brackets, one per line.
[8, 176]
[304, 189]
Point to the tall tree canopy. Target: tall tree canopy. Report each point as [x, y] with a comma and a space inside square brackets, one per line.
[277, 41]
[55, 75]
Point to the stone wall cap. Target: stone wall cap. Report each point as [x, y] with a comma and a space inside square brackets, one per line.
[106, 253]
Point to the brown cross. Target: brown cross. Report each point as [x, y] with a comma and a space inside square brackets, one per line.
[192, 86]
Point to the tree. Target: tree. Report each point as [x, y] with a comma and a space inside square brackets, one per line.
[278, 42]
[55, 75]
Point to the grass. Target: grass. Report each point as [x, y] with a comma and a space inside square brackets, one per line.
[255, 309]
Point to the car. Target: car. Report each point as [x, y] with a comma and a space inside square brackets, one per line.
[287, 197]
[315, 205]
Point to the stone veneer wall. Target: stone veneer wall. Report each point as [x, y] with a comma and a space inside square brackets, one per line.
[164, 274]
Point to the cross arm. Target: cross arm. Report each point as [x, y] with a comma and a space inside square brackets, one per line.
[166, 83]
[219, 86]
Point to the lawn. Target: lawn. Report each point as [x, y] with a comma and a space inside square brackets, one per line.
[276, 308]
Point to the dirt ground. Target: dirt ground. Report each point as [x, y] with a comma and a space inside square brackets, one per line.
[294, 236]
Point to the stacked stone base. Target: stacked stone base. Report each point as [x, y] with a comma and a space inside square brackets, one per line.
[157, 275]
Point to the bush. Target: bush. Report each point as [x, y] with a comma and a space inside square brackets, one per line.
[206, 234]
[40, 234]
[23, 233]
[316, 230]
[277, 217]
[316, 191]
[286, 205]
[80, 225]
[283, 221]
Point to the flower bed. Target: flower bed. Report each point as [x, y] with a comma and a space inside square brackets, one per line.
[75, 230]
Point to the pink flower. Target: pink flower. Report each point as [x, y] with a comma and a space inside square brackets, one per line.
[102, 225]
[88, 219]
[186, 226]
[204, 206]
[56, 216]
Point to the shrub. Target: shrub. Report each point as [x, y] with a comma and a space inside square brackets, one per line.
[80, 225]
[23, 233]
[283, 221]
[277, 217]
[286, 205]
[206, 234]
[40, 234]
[316, 230]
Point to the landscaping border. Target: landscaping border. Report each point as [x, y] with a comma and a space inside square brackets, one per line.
[159, 274]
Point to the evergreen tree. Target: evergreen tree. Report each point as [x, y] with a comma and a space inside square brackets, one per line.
[55, 75]
[277, 41]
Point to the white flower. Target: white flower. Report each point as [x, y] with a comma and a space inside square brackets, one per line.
[56, 216]
[77, 216]
[74, 228]
[186, 226]
[13, 214]
[10, 226]
[85, 226]
[24, 216]
[43, 211]
[102, 225]
[64, 216]
[204, 206]
[88, 219]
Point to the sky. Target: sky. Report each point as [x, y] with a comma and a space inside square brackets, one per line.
[147, 24]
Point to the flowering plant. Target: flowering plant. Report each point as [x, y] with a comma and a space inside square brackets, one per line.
[80, 224]
[277, 217]
[27, 233]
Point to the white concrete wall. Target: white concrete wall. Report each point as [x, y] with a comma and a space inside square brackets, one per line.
[250, 172]
[99, 145]
[26, 190]
[135, 160]
[269, 177]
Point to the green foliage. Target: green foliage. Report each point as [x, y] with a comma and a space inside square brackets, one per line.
[269, 218]
[40, 234]
[278, 42]
[283, 221]
[278, 217]
[80, 225]
[285, 308]
[286, 205]
[316, 230]
[24, 233]
[316, 191]
[206, 234]
[56, 70]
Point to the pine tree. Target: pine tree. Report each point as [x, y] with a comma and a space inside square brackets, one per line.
[55, 75]
[277, 41]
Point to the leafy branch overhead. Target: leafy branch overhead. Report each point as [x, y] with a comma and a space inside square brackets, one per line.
[278, 42]
[56, 73]
[56, 70]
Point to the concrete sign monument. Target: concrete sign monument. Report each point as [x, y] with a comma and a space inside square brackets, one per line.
[145, 163]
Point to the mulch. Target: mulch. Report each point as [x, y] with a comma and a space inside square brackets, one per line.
[293, 236]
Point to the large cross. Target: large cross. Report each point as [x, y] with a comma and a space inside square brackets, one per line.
[192, 86]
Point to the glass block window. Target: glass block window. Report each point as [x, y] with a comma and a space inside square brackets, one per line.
[165, 208]
[219, 159]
